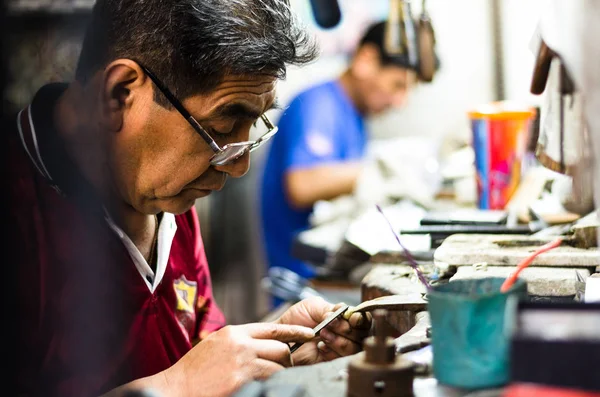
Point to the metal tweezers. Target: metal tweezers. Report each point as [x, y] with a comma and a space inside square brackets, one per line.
[322, 325]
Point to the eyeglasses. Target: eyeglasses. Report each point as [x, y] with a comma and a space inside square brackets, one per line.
[223, 155]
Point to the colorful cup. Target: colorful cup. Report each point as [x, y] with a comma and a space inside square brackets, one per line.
[500, 134]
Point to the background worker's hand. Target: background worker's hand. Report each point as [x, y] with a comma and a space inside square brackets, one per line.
[235, 355]
[340, 338]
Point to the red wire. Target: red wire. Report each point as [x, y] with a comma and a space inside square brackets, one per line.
[526, 262]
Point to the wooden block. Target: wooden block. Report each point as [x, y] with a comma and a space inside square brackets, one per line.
[552, 219]
[384, 280]
[495, 250]
[541, 281]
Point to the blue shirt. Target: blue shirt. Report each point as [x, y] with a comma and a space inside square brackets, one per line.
[321, 125]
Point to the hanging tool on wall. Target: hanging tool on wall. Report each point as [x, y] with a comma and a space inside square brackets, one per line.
[428, 62]
[412, 39]
[400, 33]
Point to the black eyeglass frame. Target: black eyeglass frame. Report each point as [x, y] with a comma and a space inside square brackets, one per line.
[223, 155]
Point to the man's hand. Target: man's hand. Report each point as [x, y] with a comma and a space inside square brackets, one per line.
[234, 355]
[340, 338]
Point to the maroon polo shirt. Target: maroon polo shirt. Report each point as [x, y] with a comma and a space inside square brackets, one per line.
[87, 320]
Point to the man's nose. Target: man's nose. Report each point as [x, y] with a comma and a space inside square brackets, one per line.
[236, 168]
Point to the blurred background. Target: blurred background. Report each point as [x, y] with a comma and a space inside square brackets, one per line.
[485, 55]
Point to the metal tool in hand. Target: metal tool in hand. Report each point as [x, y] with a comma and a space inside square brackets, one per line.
[322, 325]
[391, 303]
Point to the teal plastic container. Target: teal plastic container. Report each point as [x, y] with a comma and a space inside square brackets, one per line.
[469, 335]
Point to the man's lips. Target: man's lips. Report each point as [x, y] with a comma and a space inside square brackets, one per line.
[207, 188]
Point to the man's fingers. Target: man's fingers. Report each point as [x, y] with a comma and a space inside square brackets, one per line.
[355, 320]
[273, 350]
[356, 336]
[343, 328]
[326, 353]
[341, 345]
[340, 326]
[319, 309]
[360, 320]
[281, 332]
[262, 369]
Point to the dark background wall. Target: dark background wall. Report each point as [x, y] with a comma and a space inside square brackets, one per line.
[44, 38]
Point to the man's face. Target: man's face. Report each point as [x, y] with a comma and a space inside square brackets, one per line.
[388, 88]
[159, 162]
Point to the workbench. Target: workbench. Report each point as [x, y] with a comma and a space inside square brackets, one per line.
[557, 276]
[386, 278]
[330, 378]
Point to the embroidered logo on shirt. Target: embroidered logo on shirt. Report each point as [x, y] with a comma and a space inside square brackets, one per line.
[319, 144]
[186, 292]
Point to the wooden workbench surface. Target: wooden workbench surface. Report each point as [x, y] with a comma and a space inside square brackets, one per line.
[330, 379]
[495, 250]
[384, 280]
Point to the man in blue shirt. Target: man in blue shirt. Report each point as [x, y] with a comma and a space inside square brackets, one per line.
[316, 155]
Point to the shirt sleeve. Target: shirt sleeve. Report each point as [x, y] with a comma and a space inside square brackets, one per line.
[209, 316]
[309, 126]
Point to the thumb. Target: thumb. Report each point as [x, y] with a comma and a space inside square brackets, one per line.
[318, 308]
[323, 310]
[281, 332]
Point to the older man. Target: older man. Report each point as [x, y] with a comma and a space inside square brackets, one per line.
[112, 283]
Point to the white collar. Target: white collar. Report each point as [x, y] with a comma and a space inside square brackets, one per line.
[166, 233]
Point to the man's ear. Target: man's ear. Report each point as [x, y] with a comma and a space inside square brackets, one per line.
[121, 79]
[366, 61]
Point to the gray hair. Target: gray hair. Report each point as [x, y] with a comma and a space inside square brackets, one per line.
[192, 44]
